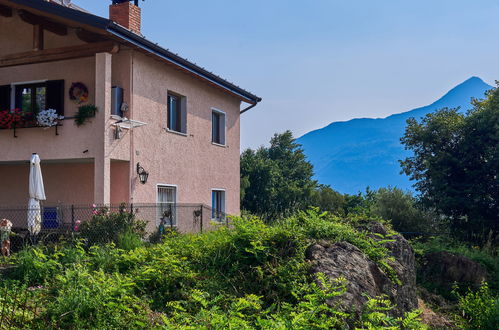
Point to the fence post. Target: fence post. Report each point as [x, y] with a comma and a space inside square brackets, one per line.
[72, 217]
[201, 219]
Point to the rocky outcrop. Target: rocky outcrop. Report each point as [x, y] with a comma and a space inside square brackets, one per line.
[442, 269]
[364, 276]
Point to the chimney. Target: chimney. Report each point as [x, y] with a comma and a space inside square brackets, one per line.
[126, 14]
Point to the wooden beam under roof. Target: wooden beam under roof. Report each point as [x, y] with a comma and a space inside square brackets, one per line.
[58, 54]
[5, 11]
[88, 36]
[38, 40]
[48, 25]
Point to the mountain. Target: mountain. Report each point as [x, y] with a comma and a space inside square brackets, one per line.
[350, 156]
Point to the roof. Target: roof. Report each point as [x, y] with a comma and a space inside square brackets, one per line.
[85, 18]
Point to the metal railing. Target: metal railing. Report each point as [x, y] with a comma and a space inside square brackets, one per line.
[57, 220]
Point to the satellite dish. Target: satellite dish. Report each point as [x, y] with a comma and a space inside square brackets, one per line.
[66, 3]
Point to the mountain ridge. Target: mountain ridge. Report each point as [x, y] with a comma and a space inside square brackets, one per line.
[351, 155]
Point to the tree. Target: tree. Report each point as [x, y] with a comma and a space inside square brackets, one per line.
[328, 199]
[278, 179]
[401, 209]
[455, 165]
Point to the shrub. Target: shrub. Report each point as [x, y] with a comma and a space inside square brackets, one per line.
[120, 227]
[93, 300]
[375, 317]
[400, 208]
[479, 309]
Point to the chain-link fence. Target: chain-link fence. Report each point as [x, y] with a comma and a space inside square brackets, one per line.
[64, 220]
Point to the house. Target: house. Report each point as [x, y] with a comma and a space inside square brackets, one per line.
[159, 118]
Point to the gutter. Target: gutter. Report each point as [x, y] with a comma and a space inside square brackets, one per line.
[248, 108]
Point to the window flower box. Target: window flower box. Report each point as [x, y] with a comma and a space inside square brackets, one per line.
[17, 118]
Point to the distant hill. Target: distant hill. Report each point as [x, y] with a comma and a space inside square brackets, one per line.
[358, 153]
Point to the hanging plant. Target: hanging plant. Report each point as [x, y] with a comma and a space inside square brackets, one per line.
[84, 113]
[78, 93]
[48, 118]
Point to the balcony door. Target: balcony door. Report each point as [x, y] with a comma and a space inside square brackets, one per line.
[167, 202]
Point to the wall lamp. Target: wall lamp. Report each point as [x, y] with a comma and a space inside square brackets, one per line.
[143, 175]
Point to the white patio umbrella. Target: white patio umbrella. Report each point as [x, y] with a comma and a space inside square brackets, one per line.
[36, 194]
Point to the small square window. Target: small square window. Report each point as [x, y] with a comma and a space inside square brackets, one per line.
[218, 127]
[177, 113]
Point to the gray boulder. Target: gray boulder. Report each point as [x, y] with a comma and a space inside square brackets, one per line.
[443, 269]
[364, 276]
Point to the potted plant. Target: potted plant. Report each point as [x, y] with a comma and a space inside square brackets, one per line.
[84, 113]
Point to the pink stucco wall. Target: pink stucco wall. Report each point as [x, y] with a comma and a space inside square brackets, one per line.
[191, 162]
[65, 183]
[120, 178]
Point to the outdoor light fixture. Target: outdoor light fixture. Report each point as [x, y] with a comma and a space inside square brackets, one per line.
[143, 175]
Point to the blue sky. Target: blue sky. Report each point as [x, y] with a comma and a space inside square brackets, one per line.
[318, 61]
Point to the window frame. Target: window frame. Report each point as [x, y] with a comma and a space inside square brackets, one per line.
[223, 205]
[16, 85]
[222, 131]
[180, 126]
[55, 93]
[175, 187]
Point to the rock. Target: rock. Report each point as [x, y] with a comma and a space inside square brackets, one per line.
[404, 264]
[442, 269]
[364, 276]
[434, 319]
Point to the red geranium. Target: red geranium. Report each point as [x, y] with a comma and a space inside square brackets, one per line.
[15, 118]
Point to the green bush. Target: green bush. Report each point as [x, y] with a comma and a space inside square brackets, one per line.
[120, 227]
[478, 309]
[400, 208]
[375, 317]
[85, 299]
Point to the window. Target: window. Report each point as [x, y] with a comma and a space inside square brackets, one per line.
[166, 209]
[218, 205]
[177, 113]
[33, 97]
[218, 127]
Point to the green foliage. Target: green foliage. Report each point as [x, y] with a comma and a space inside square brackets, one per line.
[121, 228]
[84, 113]
[456, 164]
[375, 317]
[250, 276]
[327, 199]
[401, 209]
[248, 312]
[487, 257]
[276, 180]
[479, 309]
[93, 299]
